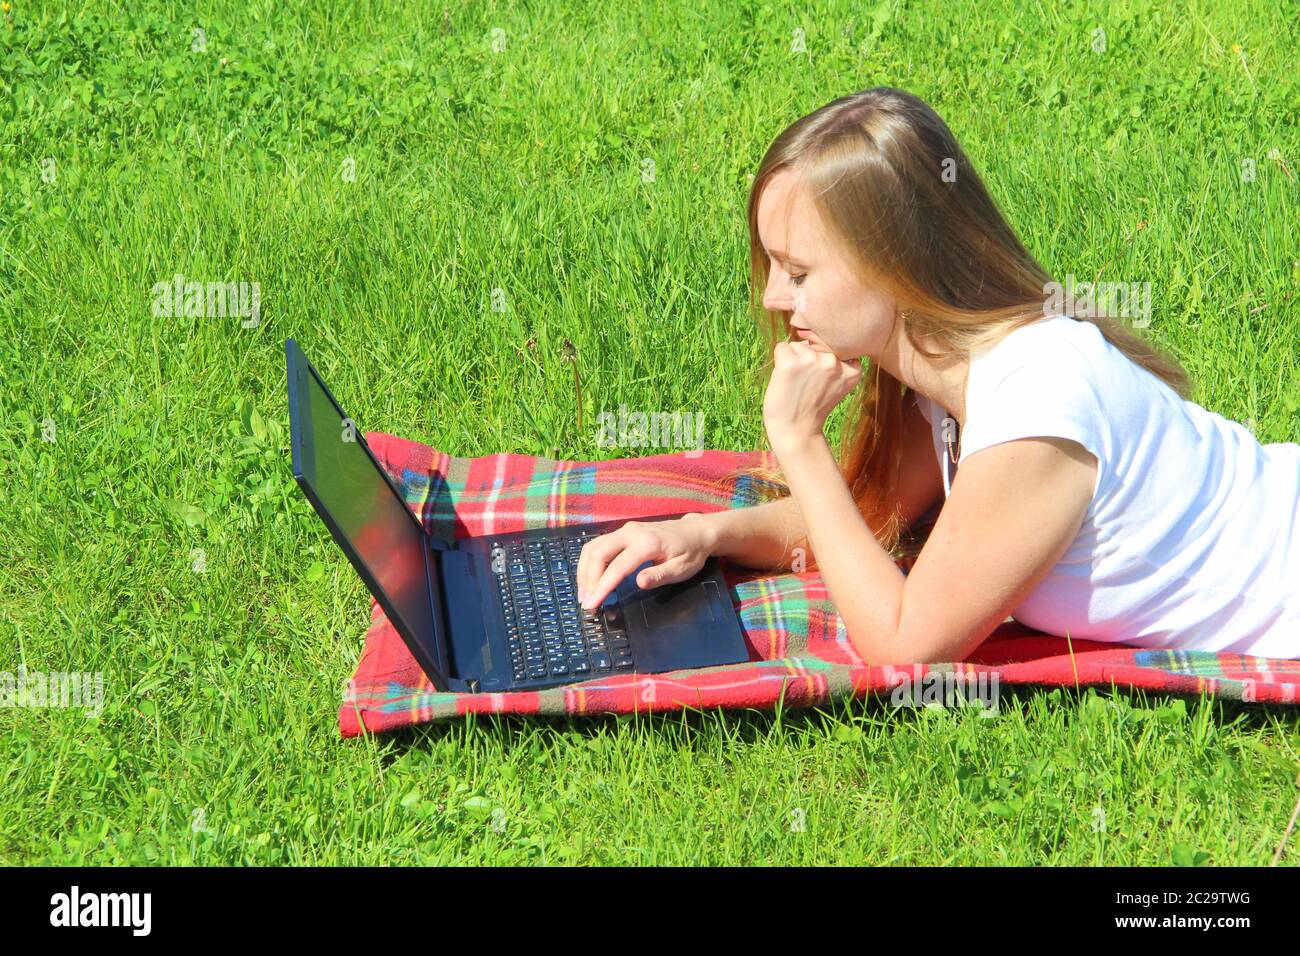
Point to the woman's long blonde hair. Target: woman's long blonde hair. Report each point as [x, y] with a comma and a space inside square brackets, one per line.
[892, 185]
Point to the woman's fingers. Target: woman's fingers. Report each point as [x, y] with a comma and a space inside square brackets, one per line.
[636, 553]
[671, 551]
[620, 567]
[595, 554]
[668, 572]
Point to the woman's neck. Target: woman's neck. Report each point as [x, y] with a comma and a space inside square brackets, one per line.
[945, 384]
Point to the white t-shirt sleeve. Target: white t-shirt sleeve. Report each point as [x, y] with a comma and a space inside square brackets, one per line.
[1036, 402]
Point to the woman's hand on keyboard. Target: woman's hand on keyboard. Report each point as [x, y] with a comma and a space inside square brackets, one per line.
[678, 547]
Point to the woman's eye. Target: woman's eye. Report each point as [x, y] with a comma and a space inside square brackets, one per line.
[798, 280]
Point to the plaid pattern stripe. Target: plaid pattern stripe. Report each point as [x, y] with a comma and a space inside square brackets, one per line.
[800, 652]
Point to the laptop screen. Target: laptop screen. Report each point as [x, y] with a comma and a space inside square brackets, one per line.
[369, 520]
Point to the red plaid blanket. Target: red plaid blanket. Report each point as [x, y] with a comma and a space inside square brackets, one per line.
[800, 652]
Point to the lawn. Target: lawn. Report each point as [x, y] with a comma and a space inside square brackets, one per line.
[433, 203]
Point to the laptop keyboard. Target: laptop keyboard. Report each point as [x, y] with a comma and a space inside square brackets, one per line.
[550, 634]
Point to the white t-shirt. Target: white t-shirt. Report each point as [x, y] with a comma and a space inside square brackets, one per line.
[1192, 539]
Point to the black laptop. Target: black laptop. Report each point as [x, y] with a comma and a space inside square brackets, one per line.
[500, 612]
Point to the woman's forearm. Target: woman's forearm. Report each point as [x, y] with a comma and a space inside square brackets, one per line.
[766, 537]
[864, 582]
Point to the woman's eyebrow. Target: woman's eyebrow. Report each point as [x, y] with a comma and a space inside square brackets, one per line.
[785, 257]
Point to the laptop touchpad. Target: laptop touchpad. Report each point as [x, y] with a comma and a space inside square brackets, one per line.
[677, 604]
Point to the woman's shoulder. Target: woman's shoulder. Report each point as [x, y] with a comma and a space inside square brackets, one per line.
[1060, 361]
[1044, 379]
[1050, 342]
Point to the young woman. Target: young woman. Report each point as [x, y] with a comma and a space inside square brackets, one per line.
[1080, 490]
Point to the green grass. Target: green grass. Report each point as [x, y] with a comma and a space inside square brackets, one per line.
[521, 170]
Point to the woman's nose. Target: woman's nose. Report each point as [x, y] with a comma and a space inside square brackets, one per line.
[776, 301]
[784, 302]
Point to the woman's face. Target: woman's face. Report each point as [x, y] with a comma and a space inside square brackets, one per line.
[833, 311]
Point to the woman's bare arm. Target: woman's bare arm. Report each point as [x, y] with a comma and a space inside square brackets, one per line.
[767, 537]
[772, 536]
